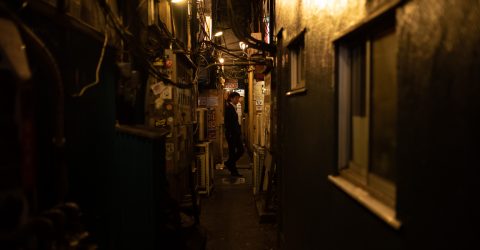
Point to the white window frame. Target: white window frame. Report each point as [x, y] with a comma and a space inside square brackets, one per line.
[379, 187]
[374, 192]
[297, 57]
[297, 79]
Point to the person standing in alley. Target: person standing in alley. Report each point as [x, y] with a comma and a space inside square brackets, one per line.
[233, 133]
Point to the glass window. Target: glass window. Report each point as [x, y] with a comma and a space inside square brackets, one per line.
[384, 105]
[297, 62]
[368, 112]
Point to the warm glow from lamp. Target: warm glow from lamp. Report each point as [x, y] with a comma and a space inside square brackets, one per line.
[333, 7]
[243, 46]
[219, 33]
[312, 8]
[177, 1]
[221, 60]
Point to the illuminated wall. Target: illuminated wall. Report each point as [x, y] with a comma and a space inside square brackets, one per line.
[437, 65]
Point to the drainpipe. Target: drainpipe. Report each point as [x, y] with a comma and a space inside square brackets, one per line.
[251, 109]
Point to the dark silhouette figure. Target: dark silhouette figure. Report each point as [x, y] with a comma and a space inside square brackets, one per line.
[233, 133]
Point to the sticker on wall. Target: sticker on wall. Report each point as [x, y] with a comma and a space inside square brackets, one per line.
[157, 88]
[168, 63]
[160, 123]
[158, 103]
[162, 90]
[170, 120]
[167, 93]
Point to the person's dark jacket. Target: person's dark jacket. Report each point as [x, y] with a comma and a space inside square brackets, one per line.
[232, 128]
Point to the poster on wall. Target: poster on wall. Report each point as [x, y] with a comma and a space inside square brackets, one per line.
[241, 92]
[231, 83]
[259, 105]
[212, 101]
[258, 94]
[211, 124]
[268, 80]
[202, 101]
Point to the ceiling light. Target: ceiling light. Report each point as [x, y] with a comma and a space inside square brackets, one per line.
[221, 60]
[219, 33]
[177, 1]
[243, 46]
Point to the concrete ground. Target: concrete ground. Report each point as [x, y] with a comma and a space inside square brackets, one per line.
[230, 217]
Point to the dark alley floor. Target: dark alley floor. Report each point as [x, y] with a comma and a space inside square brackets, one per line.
[229, 214]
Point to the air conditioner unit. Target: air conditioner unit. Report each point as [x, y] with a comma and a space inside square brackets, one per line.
[258, 165]
[201, 173]
[259, 138]
[202, 124]
[204, 161]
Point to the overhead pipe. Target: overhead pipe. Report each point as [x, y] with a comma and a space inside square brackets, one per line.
[244, 34]
[58, 140]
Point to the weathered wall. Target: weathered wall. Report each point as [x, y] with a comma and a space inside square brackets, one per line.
[90, 128]
[439, 80]
[89, 122]
[438, 91]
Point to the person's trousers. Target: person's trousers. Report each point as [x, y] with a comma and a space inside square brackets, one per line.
[235, 151]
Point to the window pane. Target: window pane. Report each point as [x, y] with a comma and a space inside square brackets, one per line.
[293, 69]
[302, 58]
[358, 80]
[359, 119]
[384, 106]
[344, 117]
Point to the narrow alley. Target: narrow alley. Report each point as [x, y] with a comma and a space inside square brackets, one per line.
[229, 215]
[239, 124]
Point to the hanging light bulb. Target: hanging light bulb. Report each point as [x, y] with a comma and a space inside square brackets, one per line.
[221, 60]
[177, 1]
[243, 46]
[219, 33]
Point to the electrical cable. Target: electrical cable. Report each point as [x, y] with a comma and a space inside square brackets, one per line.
[97, 71]
[138, 50]
[242, 33]
[226, 50]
